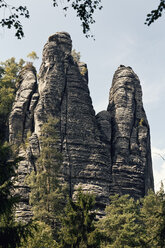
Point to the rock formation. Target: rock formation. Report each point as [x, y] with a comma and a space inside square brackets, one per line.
[130, 136]
[105, 153]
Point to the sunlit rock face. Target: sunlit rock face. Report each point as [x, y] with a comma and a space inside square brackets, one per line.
[105, 153]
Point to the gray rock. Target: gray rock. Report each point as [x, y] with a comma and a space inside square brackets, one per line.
[105, 153]
[22, 116]
[130, 142]
[104, 123]
[21, 121]
[64, 94]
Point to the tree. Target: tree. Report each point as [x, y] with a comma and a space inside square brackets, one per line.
[13, 19]
[42, 237]
[78, 226]
[85, 10]
[9, 71]
[9, 82]
[155, 14]
[47, 195]
[33, 55]
[153, 216]
[11, 232]
[121, 225]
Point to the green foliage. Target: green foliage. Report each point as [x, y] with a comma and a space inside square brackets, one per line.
[33, 55]
[9, 71]
[130, 223]
[121, 225]
[141, 122]
[13, 18]
[153, 216]
[78, 229]
[155, 14]
[47, 195]
[7, 174]
[84, 10]
[42, 237]
[11, 232]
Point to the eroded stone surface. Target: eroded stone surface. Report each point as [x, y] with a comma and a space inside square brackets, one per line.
[21, 122]
[130, 141]
[105, 153]
[64, 94]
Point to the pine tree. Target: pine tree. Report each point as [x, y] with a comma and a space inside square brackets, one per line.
[153, 216]
[121, 227]
[11, 232]
[78, 225]
[9, 71]
[161, 195]
[47, 195]
[42, 237]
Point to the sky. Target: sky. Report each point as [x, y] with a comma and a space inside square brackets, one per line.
[120, 38]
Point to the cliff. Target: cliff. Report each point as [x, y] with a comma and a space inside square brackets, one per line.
[105, 153]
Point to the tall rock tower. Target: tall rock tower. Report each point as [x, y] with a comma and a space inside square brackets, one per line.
[130, 137]
[105, 153]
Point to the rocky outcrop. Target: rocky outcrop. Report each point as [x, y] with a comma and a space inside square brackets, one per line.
[105, 153]
[130, 136]
[21, 121]
[64, 94]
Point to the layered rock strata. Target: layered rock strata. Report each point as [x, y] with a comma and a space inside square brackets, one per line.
[130, 136]
[105, 153]
[21, 121]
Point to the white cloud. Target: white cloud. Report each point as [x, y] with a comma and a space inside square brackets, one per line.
[158, 156]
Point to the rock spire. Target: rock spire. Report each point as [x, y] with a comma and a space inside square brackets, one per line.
[105, 153]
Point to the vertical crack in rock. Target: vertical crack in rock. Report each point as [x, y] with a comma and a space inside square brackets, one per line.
[130, 146]
[64, 94]
[21, 116]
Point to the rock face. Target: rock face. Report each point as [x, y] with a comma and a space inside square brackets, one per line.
[130, 136]
[105, 153]
[21, 121]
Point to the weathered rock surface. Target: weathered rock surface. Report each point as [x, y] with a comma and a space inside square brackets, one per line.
[130, 136]
[64, 94]
[20, 122]
[105, 153]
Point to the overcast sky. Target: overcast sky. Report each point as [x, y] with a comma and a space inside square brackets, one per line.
[120, 38]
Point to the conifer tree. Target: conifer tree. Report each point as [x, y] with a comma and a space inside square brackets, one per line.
[11, 232]
[47, 195]
[78, 225]
[121, 227]
[9, 71]
[161, 195]
[42, 237]
[153, 216]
